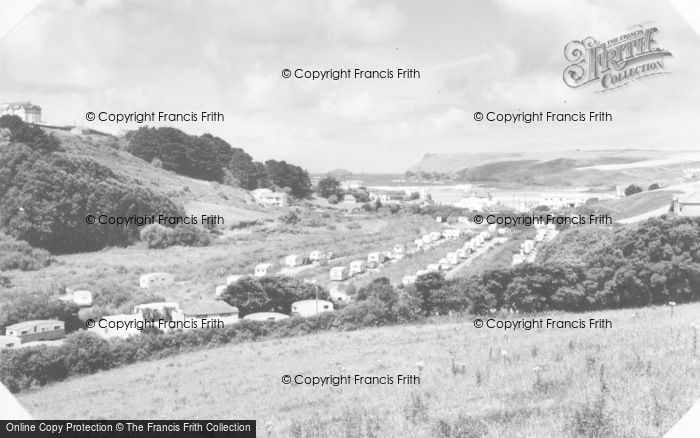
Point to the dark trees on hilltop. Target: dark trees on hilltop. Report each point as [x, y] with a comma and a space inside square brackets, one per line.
[211, 158]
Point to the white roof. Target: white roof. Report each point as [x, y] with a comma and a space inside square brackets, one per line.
[302, 302]
[266, 315]
[263, 266]
[153, 274]
[261, 191]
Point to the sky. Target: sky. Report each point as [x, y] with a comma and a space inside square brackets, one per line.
[124, 56]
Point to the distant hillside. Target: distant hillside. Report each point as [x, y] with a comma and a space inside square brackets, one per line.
[603, 168]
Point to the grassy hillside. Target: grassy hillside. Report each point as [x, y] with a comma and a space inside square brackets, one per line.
[636, 204]
[548, 383]
[197, 196]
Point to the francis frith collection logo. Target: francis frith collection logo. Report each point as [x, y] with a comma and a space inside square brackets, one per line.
[614, 63]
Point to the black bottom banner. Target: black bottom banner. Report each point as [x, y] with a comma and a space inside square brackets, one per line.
[128, 428]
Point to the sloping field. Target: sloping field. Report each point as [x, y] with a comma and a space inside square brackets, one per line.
[197, 196]
[639, 203]
[634, 379]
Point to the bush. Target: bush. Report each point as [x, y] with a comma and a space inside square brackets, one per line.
[157, 236]
[32, 136]
[190, 235]
[632, 189]
[15, 254]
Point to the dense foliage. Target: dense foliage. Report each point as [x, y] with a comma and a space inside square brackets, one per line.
[213, 159]
[38, 306]
[46, 195]
[31, 135]
[328, 186]
[270, 294]
[15, 254]
[85, 353]
[649, 263]
[158, 236]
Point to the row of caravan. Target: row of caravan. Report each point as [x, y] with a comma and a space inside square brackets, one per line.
[528, 248]
[399, 251]
[451, 258]
[290, 261]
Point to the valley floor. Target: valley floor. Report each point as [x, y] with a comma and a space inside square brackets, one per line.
[634, 379]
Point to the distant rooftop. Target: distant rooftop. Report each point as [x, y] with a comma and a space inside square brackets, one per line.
[32, 323]
[18, 105]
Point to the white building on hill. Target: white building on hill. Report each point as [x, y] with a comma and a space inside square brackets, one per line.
[269, 198]
[26, 111]
[477, 199]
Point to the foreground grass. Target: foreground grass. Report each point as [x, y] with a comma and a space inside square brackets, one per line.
[636, 379]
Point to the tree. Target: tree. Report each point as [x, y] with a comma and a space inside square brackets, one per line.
[654, 186]
[270, 294]
[632, 189]
[32, 136]
[425, 285]
[16, 254]
[328, 186]
[47, 197]
[283, 174]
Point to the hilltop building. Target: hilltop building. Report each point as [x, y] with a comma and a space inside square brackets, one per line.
[26, 111]
[477, 199]
[269, 198]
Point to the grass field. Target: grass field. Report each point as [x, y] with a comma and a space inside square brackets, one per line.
[639, 203]
[634, 379]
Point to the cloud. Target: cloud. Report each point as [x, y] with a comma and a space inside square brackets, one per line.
[347, 21]
[72, 56]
